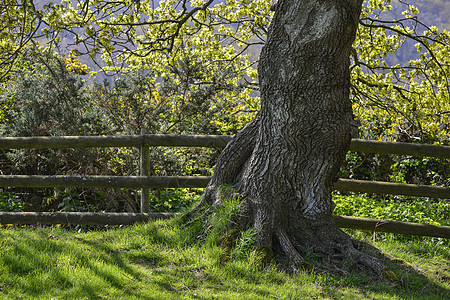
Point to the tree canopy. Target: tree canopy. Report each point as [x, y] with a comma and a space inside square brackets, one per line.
[220, 41]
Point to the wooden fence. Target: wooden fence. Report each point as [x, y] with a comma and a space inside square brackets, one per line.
[144, 182]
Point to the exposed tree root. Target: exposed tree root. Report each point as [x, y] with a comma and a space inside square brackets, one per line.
[318, 245]
[297, 262]
[307, 244]
[325, 247]
[284, 162]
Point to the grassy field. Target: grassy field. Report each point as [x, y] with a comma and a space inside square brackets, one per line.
[160, 261]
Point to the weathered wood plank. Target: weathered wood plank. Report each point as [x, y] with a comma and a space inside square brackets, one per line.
[134, 182]
[145, 171]
[61, 142]
[421, 150]
[73, 218]
[376, 225]
[175, 140]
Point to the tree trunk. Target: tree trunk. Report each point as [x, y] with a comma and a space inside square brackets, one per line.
[284, 163]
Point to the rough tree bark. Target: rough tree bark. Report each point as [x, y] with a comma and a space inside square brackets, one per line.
[285, 161]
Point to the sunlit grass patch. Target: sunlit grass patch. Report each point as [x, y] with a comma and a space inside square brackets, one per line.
[159, 260]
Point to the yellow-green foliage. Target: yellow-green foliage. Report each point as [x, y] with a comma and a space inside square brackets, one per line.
[410, 100]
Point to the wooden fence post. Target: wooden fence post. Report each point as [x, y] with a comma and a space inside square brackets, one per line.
[145, 171]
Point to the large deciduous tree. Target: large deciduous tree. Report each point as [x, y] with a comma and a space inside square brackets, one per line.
[283, 164]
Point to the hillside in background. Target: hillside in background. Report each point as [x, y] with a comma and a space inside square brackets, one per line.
[432, 13]
[436, 12]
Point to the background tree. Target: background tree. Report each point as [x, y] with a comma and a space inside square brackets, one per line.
[401, 100]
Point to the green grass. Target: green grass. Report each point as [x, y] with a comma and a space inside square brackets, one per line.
[160, 261]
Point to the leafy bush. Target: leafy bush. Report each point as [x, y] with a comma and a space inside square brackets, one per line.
[53, 100]
[48, 100]
[427, 170]
[396, 168]
[173, 200]
[10, 201]
[47, 97]
[405, 209]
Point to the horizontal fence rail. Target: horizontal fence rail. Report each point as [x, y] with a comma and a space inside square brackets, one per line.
[84, 218]
[169, 182]
[213, 141]
[398, 148]
[132, 182]
[376, 225]
[146, 140]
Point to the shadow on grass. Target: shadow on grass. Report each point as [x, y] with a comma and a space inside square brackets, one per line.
[38, 266]
[407, 282]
